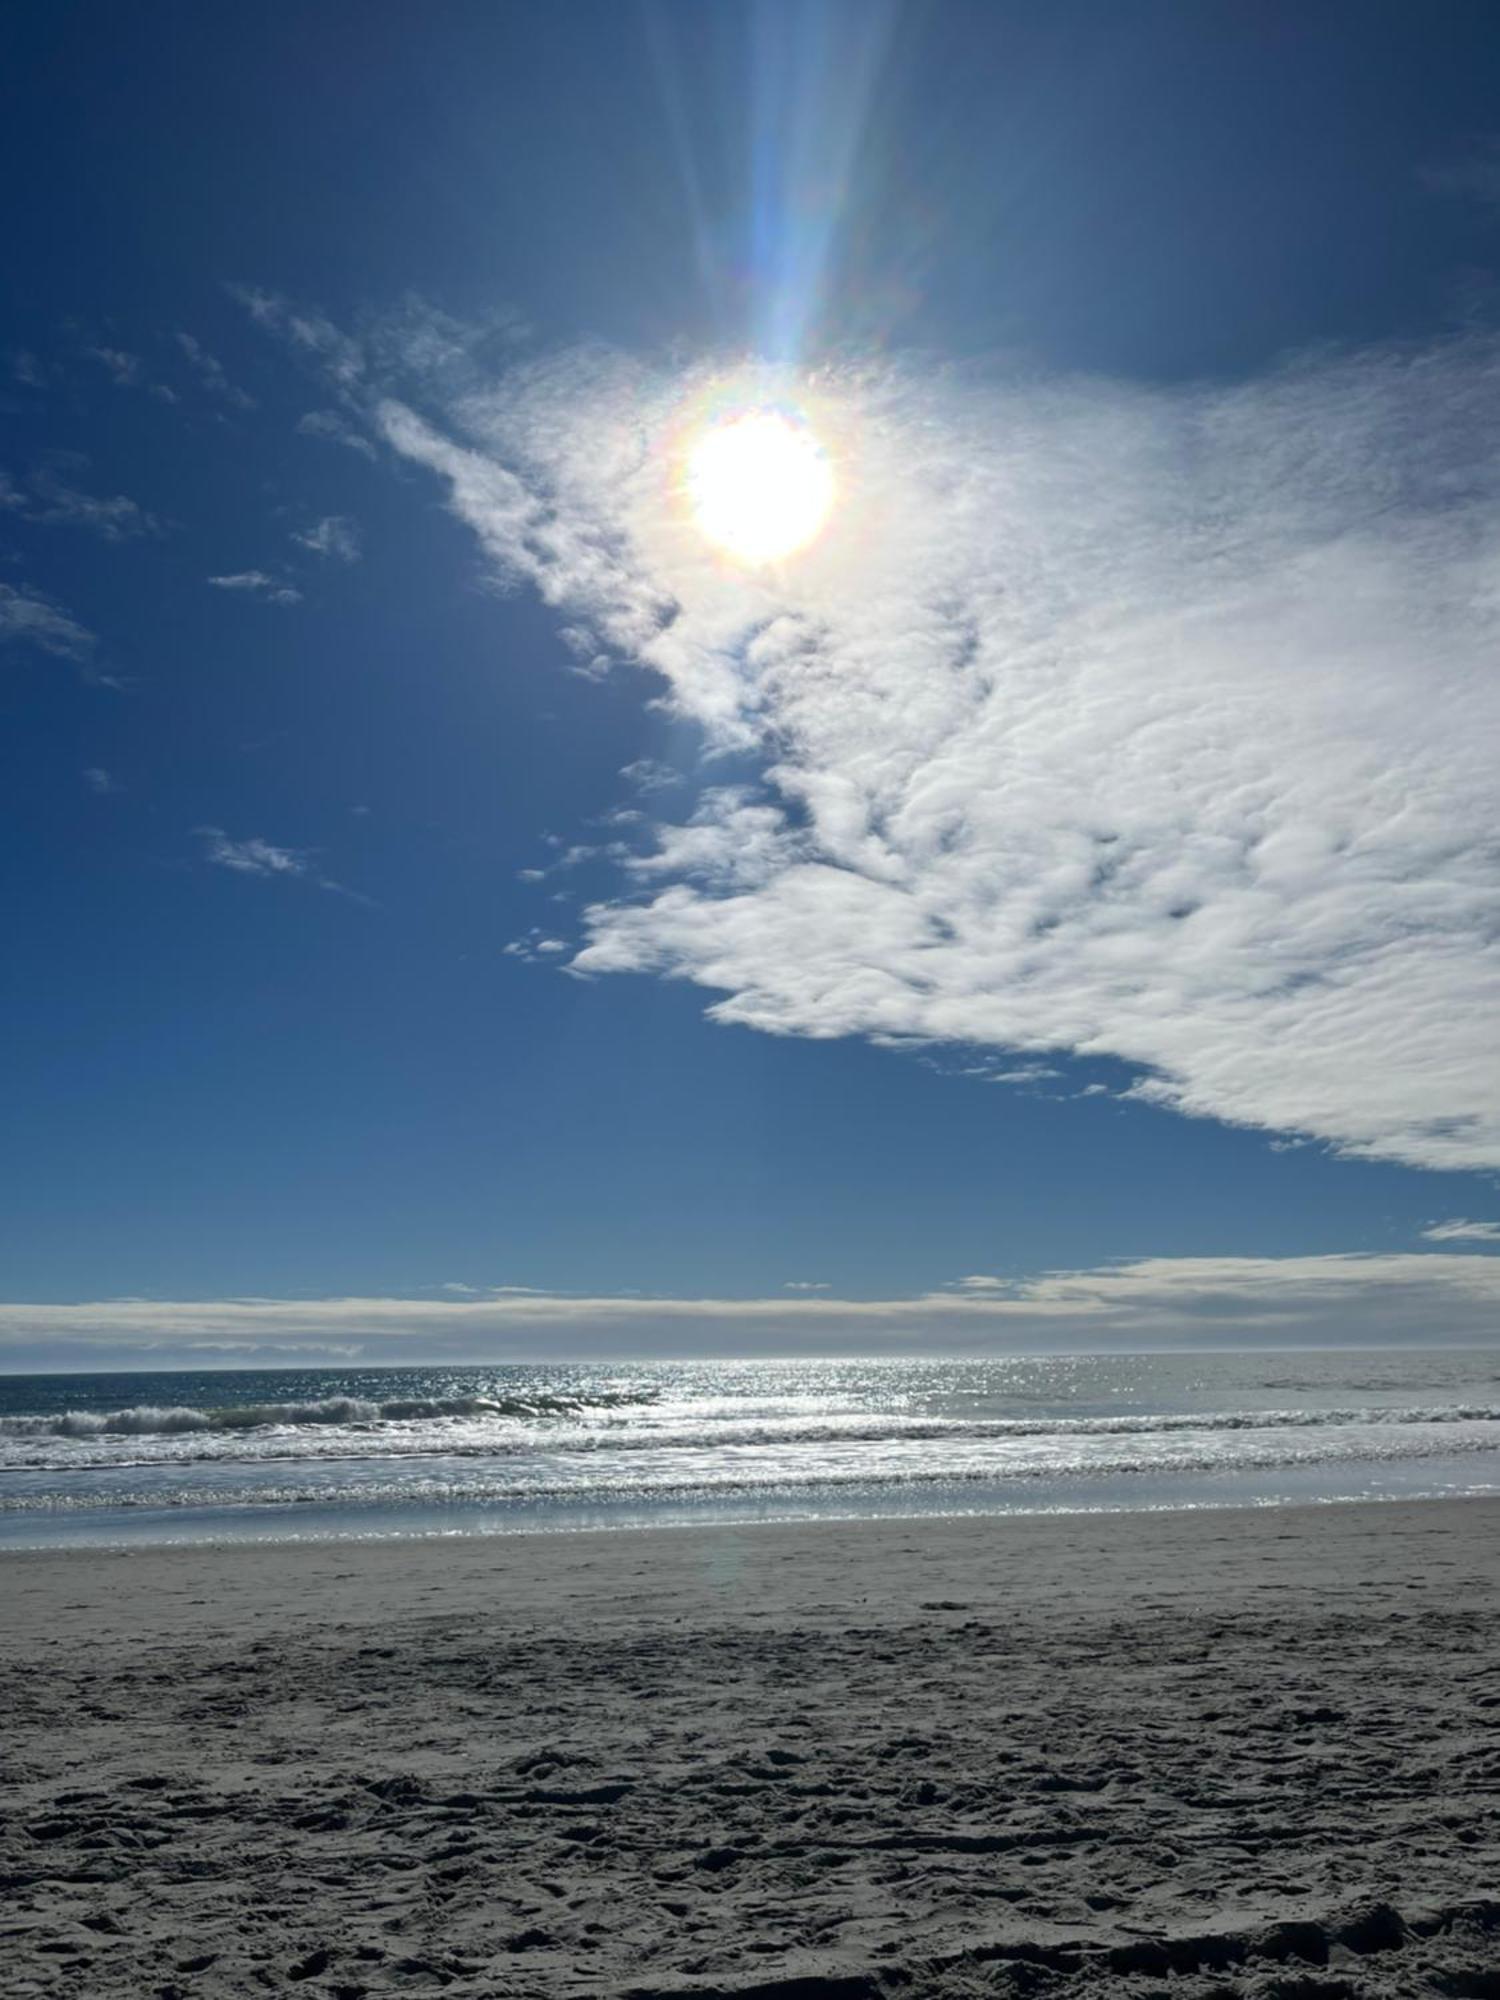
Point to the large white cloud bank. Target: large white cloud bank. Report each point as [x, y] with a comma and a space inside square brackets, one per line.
[1158, 725]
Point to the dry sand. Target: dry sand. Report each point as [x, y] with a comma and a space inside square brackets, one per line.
[1246, 1753]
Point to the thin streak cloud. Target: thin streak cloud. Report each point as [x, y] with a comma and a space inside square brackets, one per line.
[256, 856]
[1152, 1303]
[250, 857]
[258, 583]
[29, 618]
[211, 373]
[53, 502]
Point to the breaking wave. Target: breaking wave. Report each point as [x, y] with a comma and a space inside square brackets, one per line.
[354, 1412]
[455, 1482]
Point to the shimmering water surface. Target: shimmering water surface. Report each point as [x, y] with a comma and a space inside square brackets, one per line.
[283, 1454]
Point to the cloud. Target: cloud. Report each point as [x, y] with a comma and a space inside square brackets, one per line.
[256, 856]
[210, 372]
[52, 502]
[1431, 1297]
[28, 618]
[117, 519]
[127, 371]
[535, 947]
[335, 535]
[1473, 170]
[250, 857]
[1144, 723]
[100, 782]
[311, 332]
[335, 429]
[257, 583]
[1459, 1231]
[649, 774]
[805, 1285]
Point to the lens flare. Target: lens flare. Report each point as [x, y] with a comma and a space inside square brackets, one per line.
[760, 485]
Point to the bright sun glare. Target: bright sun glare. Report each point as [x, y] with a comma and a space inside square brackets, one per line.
[760, 485]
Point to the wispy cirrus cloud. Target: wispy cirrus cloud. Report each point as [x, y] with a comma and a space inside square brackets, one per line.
[335, 429]
[1143, 723]
[1457, 1230]
[1203, 1302]
[211, 373]
[257, 856]
[334, 536]
[125, 370]
[649, 774]
[311, 332]
[250, 857]
[30, 618]
[47, 498]
[259, 583]
[115, 517]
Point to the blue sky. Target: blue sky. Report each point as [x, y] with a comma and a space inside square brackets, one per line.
[1084, 847]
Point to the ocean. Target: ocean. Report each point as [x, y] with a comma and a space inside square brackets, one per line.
[283, 1454]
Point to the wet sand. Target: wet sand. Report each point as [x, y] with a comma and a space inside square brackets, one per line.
[1242, 1753]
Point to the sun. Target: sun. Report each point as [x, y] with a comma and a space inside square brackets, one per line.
[760, 485]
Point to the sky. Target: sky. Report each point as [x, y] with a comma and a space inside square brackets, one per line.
[456, 908]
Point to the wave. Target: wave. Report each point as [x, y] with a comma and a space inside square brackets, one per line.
[151, 1419]
[520, 1496]
[514, 1429]
[562, 1425]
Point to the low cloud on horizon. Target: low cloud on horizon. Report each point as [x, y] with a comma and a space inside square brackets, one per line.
[1396, 1299]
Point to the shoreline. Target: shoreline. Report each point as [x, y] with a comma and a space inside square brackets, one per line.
[741, 1569]
[353, 1522]
[1249, 1749]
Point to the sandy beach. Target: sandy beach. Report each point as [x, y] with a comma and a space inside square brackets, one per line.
[1238, 1753]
